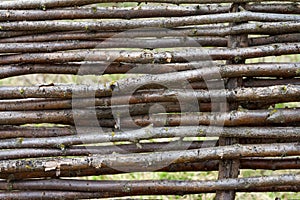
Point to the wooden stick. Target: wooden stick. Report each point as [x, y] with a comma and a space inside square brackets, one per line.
[136, 43]
[94, 135]
[140, 187]
[221, 31]
[150, 56]
[129, 24]
[46, 4]
[150, 147]
[111, 12]
[212, 165]
[141, 162]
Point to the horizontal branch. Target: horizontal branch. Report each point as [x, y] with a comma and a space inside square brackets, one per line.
[97, 135]
[234, 118]
[24, 195]
[127, 85]
[142, 11]
[153, 147]
[57, 104]
[291, 8]
[137, 43]
[131, 24]
[101, 150]
[142, 162]
[274, 39]
[253, 28]
[151, 56]
[138, 12]
[137, 114]
[10, 34]
[114, 43]
[278, 93]
[226, 71]
[24, 36]
[46, 4]
[256, 82]
[33, 132]
[42, 131]
[67, 116]
[149, 187]
[211, 165]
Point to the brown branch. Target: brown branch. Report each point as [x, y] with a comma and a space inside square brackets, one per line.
[111, 43]
[255, 82]
[152, 147]
[137, 43]
[234, 118]
[138, 12]
[111, 12]
[10, 34]
[211, 165]
[43, 131]
[150, 56]
[46, 4]
[33, 132]
[21, 195]
[274, 39]
[102, 150]
[142, 162]
[278, 93]
[130, 24]
[226, 71]
[257, 28]
[148, 186]
[274, 8]
[95, 135]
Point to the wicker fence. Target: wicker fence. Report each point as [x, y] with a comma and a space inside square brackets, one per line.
[208, 87]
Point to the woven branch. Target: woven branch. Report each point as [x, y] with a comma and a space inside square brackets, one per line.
[112, 12]
[134, 186]
[71, 195]
[152, 147]
[226, 71]
[33, 132]
[273, 8]
[246, 163]
[150, 56]
[137, 43]
[96, 135]
[137, 12]
[161, 23]
[141, 162]
[113, 43]
[257, 28]
[45, 4]
[279, 93]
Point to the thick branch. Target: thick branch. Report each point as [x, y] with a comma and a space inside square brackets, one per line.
[111, 12]
[137, 43]
[32, 4]
[212, 165]
[96, 135]
[130, 24]
[226, 71]
[142, 162]
[112, 43]
[257, 28]
[113, 188]
[150, 56]
[154, 147]
[138, 12]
